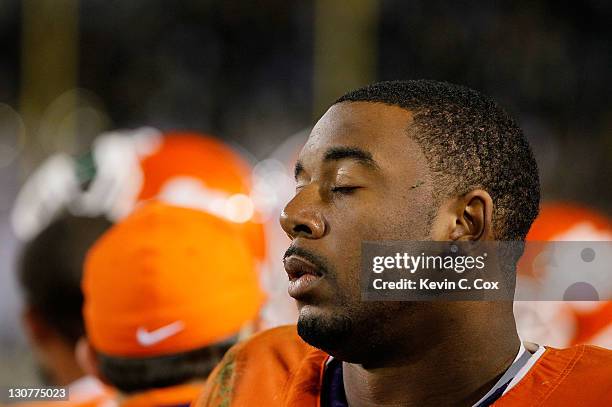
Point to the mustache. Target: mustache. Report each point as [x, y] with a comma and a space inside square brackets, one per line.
[318, 261]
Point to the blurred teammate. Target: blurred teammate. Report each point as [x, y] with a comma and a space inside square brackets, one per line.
[195, 170]
[125, 168]
[569, 322]
[167, 291]
[122, 170]
[49, 273]
[413, 160]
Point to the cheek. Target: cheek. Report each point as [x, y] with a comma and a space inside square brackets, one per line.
[347, 233]
[393, 218]
[406, 224]
[406, 216]
[390, 217]
[389, 220]
[355, 216]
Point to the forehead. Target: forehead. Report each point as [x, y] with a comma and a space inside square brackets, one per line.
[379, 129]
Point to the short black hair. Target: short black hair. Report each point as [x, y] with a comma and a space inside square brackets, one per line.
[470, 142]
[131, 375]
[50, 270]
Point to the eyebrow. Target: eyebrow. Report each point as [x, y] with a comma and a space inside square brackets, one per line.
[353, 153]
[341, 153]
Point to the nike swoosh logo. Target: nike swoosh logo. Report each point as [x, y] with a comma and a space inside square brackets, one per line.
[150, 338]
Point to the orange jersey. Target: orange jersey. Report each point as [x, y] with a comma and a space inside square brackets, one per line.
[175, 396]
[276, 368]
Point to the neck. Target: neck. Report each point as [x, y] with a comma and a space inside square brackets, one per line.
[63, 365]
[457, 368]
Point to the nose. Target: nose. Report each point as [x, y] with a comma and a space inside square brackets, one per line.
[302, 219]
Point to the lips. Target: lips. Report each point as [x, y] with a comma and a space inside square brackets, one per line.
[303, 275]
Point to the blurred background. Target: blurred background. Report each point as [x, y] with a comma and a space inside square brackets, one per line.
[258, 74]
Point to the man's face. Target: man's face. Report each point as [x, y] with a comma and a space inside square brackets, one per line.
[359, 177]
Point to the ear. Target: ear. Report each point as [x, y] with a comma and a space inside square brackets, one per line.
[474, 217]
[87, 359]
[465, 218]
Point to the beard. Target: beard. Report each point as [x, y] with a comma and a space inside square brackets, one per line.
[360, 335]
[329, 334]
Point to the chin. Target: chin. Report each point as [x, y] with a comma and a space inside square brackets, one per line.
[324, 329]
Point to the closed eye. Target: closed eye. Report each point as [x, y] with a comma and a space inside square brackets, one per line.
[344, 190]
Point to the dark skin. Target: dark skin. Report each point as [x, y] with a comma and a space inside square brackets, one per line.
[54, 353]
[361, 177]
